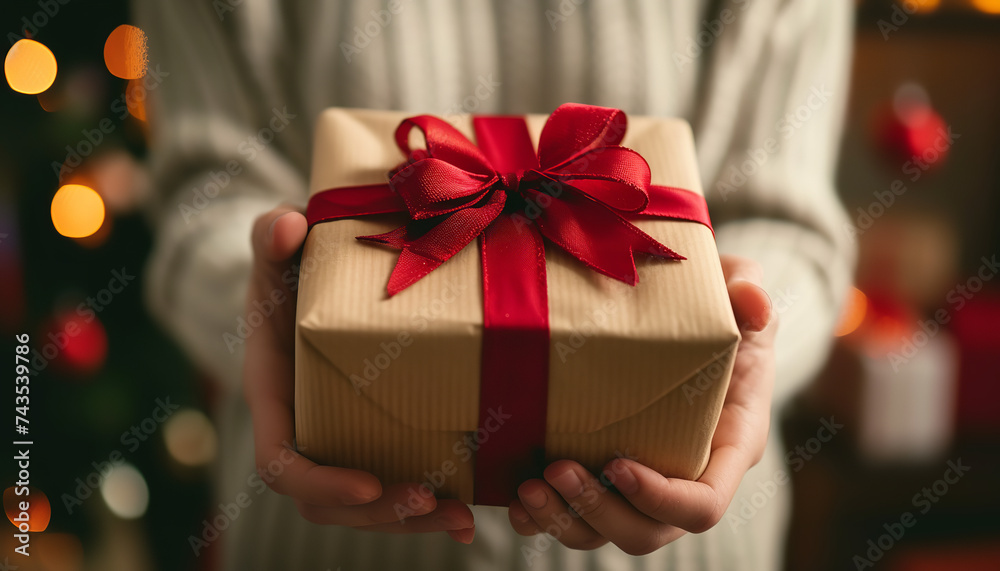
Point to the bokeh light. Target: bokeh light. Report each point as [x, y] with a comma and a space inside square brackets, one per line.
[987, 6]
[924, 6]
[59, 551]
[30, 67]
[79, 341]
[77, 211]
[190, 438]
[135, 103]
[854, 313]
[39, 511]
[125, 492]
[125, 52]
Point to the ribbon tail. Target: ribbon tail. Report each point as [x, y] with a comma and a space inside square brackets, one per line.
[423, 251]
[566, 222]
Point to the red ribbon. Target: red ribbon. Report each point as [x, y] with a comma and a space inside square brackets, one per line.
[576, 191]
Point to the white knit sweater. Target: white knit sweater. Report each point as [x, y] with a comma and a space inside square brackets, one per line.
[763, 83]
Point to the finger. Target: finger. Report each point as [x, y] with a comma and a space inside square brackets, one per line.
[463, 535]
[555, 517]
[268, 389]
[449, 515]
[289, 473]
[694, 506]
[395, 507]
[608, 513]
[751, 304]
[521, 520]
[278, 234]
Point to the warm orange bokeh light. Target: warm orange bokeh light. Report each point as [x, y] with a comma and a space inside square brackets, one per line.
[30, 67]
[59, 551]
[136, 105]
[925, 6]
[988, 6]
[125, 52]
[77, 211]
[854, 312]
[38, 513]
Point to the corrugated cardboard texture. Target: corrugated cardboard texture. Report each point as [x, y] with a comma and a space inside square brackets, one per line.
[639, 371]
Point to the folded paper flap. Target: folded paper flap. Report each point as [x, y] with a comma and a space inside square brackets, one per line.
[353, 147]
[653, 337]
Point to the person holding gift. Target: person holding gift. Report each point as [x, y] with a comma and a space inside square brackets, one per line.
[763, 85]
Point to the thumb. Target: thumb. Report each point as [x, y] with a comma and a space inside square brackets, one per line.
[278, 235]
[751, 304]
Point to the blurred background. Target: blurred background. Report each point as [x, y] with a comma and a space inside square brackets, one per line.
[123, 443]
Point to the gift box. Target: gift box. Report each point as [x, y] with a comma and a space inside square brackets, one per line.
[532, 342]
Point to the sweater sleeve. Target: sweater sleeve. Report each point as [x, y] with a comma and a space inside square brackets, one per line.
[768, 128]
[218, 162]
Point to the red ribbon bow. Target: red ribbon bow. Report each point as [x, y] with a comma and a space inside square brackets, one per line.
[575, 191]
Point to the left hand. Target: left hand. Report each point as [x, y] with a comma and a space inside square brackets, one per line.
[649, 510]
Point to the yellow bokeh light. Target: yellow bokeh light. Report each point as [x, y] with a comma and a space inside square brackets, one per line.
[925, 6]
[125, 52]
[190, 437]
[30, 67]
[988, 6]
[854, 313]
[77, 211]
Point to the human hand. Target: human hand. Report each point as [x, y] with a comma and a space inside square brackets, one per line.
[323, 494]
[650, 510]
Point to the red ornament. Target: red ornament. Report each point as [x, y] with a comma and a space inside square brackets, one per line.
[910, 132]
[74, 343]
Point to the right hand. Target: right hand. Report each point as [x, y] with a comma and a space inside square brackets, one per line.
[323, 494]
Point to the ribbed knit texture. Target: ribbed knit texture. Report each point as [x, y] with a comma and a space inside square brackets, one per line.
[232, 73]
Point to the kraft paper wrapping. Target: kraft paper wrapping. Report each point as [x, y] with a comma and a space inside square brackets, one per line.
[391, 385]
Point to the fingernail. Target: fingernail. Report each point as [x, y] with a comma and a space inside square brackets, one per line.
[623, 478]
[270, 229]
[568, 484]
[535, 499]
[361, 498]
[463, 535]
[517, 512]
[448, 522]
